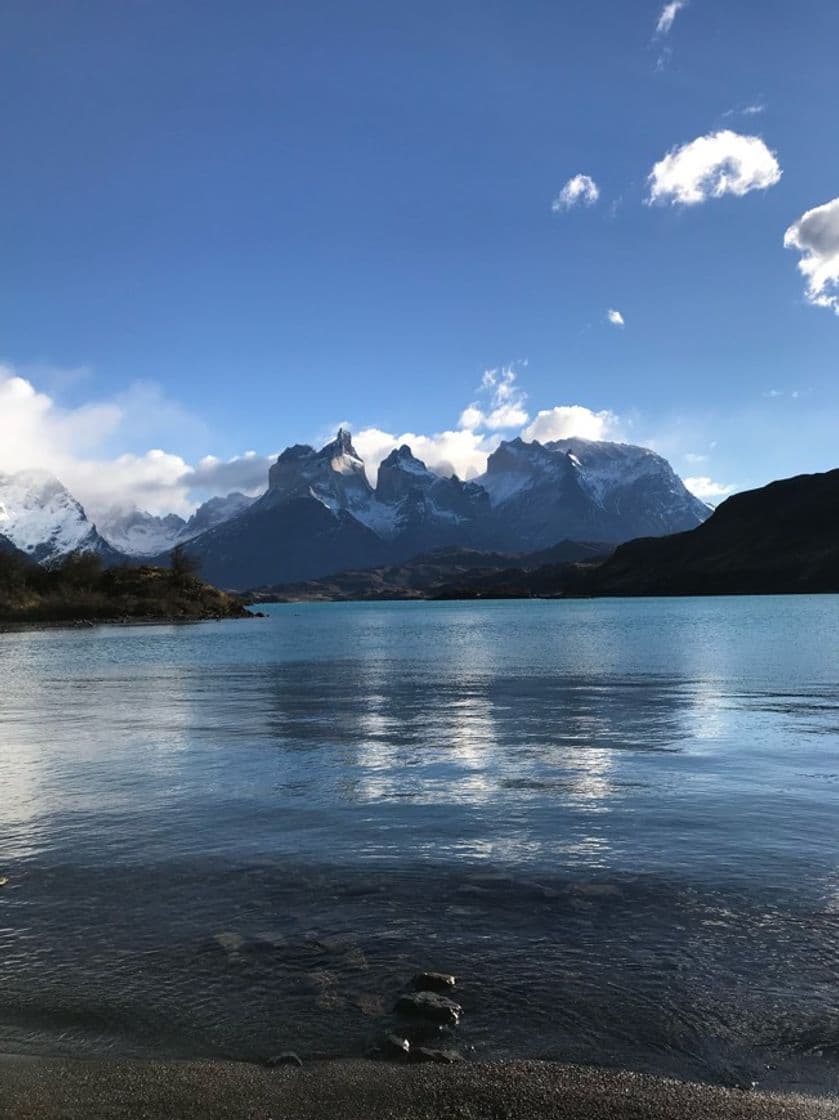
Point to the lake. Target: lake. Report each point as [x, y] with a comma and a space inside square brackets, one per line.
[616, 821]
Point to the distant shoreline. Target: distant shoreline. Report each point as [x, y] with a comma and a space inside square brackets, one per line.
[14, 626]
[49, 1089]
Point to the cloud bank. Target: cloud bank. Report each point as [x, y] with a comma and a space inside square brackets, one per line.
[711, 166]
[816, 236]
[36, 432]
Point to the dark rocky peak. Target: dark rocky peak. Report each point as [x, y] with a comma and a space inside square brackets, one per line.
[340, 446]
[297, 452]
[334, 475]
[522, 458]
[402, 473]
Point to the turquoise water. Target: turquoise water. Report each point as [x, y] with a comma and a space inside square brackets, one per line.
[617, 821]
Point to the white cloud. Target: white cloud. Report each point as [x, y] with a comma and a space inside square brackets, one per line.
[667, 16]
[711, 166]
[707, 490]
[816, 236]
[581, 190]
[462, 452]
[615, 317]
[72, 443]
[506, 403]
[569, 420]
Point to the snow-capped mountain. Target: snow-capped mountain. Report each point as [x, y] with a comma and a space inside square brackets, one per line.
[42, 518]
[320, 514]
[214, 511]
[592, 490]
[134, 532]
[635, 485]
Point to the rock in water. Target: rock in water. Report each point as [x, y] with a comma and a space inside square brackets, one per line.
[442, 1057]
[395, 1048]
[433, 982]
[430, 1005]
[287, 1058]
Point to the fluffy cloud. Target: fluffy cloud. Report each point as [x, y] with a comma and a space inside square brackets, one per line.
[506, 403]
[816, 236]
[569, 420]
[36, 432]
[711, 166]
[615, 317]
[581, 190]
[462, 452]
[30, 419]
[667, 16]
[707, 490]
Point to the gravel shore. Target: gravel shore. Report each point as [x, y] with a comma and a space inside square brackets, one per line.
[120, 1090]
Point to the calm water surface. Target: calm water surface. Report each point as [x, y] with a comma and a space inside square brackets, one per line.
[617, 821]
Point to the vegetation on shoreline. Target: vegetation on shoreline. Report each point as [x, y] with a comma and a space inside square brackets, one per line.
[81, 588]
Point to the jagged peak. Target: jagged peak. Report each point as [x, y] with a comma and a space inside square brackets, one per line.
[512, 451]
[340, 445]
[295, 452]
[403, 458]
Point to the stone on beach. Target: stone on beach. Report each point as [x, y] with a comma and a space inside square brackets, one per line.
[430, 1005]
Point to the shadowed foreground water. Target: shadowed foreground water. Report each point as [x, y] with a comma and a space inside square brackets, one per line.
[618, 822]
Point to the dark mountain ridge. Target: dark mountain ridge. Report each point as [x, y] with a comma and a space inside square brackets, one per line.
[424, 576]
[782, 538]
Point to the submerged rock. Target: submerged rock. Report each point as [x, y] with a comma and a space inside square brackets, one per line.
[433, 982]
[422, 1032]
[430, 1005]
[442, 1057]
[230, 941]
[287, 1058]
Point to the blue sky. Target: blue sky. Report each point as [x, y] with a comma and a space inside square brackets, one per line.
[229, 227]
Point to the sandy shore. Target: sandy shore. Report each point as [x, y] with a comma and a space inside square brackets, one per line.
[52, 1089]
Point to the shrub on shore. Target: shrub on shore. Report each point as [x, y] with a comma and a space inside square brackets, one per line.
[80, 587]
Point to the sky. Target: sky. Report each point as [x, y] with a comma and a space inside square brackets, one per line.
[227, 228]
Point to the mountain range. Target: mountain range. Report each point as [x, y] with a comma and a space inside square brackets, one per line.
[320, 514]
